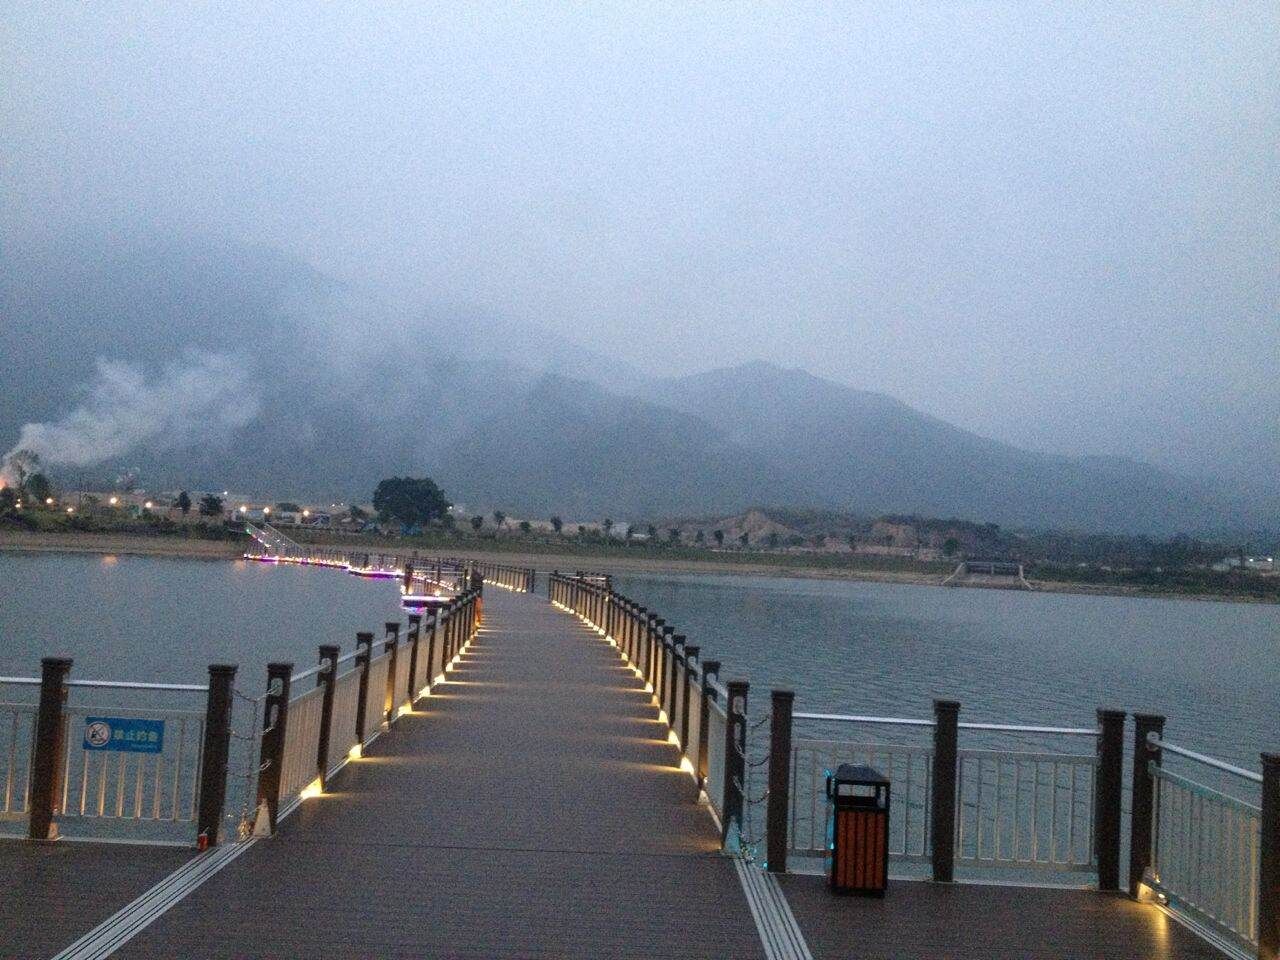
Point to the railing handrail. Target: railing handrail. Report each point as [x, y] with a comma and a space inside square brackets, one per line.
[1155, 743]
[857, 718]
[135, 685]
[913, 722]
[1031, 728]
[22, 681]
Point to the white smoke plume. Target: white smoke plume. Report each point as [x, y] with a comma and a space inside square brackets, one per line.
[198, 400]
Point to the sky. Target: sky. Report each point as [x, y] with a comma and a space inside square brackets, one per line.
[1058, 225]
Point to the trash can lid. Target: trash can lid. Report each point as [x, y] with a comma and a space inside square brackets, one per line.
[849, 773]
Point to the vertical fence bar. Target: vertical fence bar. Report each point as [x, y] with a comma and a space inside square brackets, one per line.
[364, 654]
[49, 749]
[1269, 861]
[1107, 792]
[213, 757]
[942, 815]
[779, 779]
[275, 716]
[326, 678]
[1142, 809]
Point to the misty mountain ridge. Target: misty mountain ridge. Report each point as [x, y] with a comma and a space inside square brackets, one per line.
[349, 389]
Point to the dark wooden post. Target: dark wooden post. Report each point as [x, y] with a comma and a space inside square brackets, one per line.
[1107, 795]
[735, 748]
[47, 751]
[326, 678]
[275, 717]
[779, 779]
[703, 764]
[364, 653]
[415, 636]
[1142, 810]
[391, 645]
[1269, 861]
[942, 822]
[213, 757]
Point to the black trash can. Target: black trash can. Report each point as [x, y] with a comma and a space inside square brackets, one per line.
[858, 831]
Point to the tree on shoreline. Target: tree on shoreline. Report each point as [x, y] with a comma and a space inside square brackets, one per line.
[210, 506]
[557, 524]
[184, 502]
[409, 500]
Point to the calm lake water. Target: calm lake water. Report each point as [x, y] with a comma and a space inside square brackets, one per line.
[162, 619]
[1212, 668]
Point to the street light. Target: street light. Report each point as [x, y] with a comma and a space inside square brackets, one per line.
[243, 508]
[48, 501]
[147, 505]
[306, 513]
[265, 511]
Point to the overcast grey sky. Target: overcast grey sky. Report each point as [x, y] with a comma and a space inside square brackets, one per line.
[1056, 224]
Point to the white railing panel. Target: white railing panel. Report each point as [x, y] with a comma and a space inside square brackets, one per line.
[108, 784]
[1205, 854]
[694, 693]
[17, 733]
[375, 704]
[342, 736]
[1022, 809]
[301, 743]
[909, 769]
[717, 721]
[400, 690]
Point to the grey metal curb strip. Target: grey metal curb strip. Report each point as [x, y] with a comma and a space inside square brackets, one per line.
[776, 924]
[118, 929]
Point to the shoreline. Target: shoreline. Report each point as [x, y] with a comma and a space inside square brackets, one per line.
[182, 548]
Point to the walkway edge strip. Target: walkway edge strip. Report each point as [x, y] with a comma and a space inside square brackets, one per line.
[780, 934]
[118, 929]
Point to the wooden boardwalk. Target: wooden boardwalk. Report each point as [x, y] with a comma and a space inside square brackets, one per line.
[530, 808]
[969, 921]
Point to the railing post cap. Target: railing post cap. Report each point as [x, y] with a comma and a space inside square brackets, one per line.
[415, 618]
[1271, 762]
[56, 663]
[222, 669]
[711, 666]
[738, 684]
[364, 636]
[782, 694]
[1149, 719]
[328, 648]
[392, 625]
[1106, 714]
[284, 668]
[946, 706]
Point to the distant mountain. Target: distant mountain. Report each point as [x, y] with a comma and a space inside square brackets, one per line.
[349, 389]
[570, 447]
[868, 453]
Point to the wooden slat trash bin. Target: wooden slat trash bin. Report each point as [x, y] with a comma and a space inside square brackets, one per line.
[858, 831]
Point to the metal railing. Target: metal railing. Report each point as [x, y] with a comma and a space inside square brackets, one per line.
[1206, 840]
[17, 737]
[989, 806]
[161, 786]
[908, 769]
